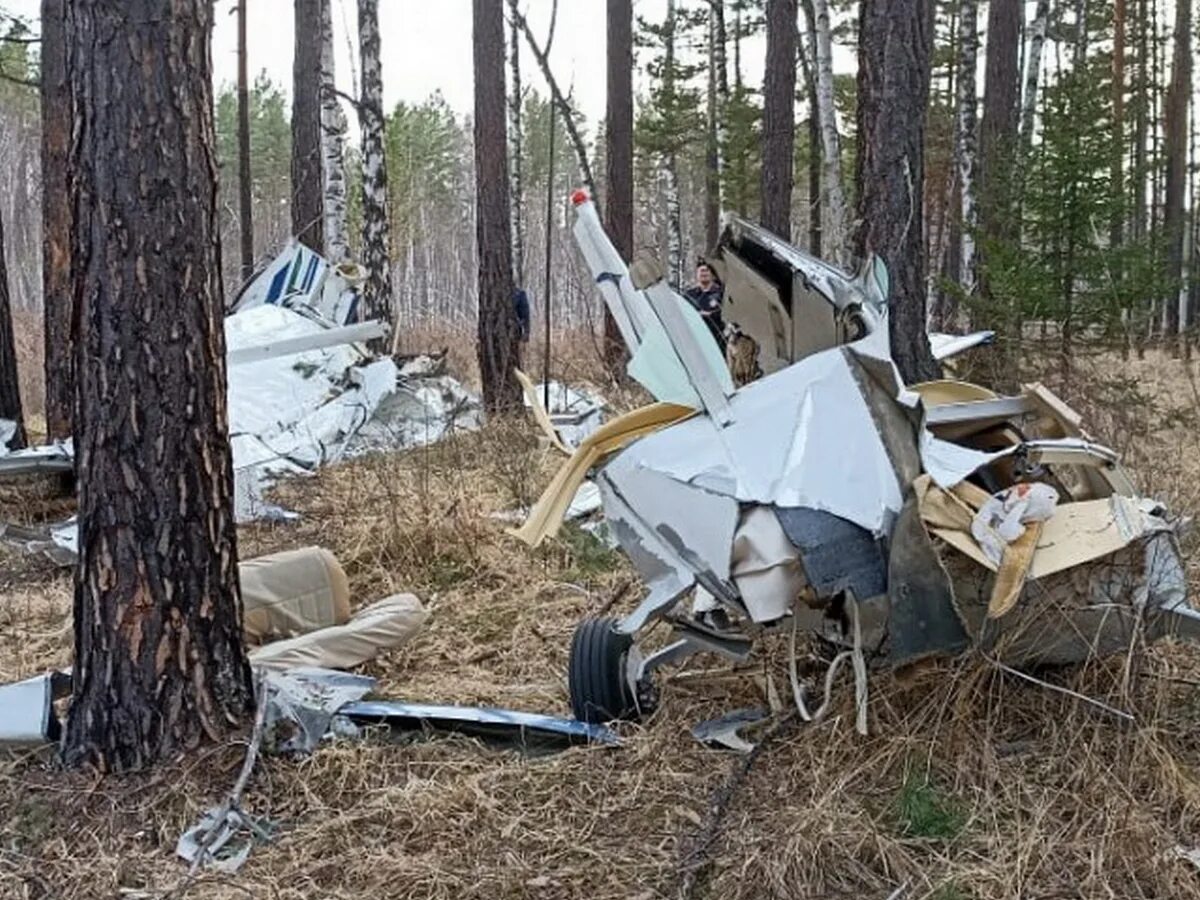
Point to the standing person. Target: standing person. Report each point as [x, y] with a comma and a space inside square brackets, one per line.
[706, 295]
[522, 314]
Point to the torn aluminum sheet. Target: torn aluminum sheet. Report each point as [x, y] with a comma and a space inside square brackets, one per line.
[222, 839]
[8, 430]
[585, 502]
[829, 449]
[726, 731]
[575, 412]
[527, 730]
[46, 458]
[945, 346]
[27, 709]
[301, 702]
[59, 542]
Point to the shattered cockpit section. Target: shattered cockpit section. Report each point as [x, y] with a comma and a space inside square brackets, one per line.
[828, 496]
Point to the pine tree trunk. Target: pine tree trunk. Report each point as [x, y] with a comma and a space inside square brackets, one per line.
[835, 225]
[56, 222]
[720, 65]
[245, 184]
[333, 140]
[497, 326]
[1140, 124]
[377, 291]
[779, 117]
[965, 139]
[1176, 125]
[308, 211]
[10, 384]
[159, 663]
[998, 130]
[516, 150]
[894, 48]
[618, 157]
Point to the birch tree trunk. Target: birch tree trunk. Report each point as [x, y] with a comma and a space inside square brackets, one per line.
[377, 259]
[670, 173]
[712, 159]
[56, 222]
[808, 58]
[1176, 121]
[516, 149]
[498, 348]
[159, 664]
[965, 138]
[333, 155]
[894, 46]
[834, 221]
[308, 214]
[10, 385]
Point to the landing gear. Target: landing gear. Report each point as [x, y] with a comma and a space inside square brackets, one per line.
[602, 660]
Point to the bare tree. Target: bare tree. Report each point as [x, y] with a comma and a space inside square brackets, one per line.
[308, 182]
[333, 148]
[377, 292]
[894, 43]
[56, 222]
[618, 157]
[1033, 70]
[10, 385]
[779, 117]
[1176, 127]
[965, 136]
[498, 347]
[516, 151]
[159, 663]
[834, 223]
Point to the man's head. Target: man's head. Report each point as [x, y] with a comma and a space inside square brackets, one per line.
[704, 275]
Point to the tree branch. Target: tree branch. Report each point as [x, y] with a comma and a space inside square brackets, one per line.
[564, 107]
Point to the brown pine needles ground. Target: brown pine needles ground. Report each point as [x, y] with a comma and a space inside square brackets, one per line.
[971, 784]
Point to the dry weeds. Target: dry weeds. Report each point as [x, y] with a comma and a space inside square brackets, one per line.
[971, 785]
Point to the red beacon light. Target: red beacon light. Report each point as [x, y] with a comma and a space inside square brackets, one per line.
[579, 197]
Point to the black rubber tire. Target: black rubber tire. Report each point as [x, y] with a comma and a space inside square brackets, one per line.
[599, 691]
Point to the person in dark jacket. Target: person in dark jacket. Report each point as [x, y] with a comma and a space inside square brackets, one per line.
[521, 312]
[706, 295]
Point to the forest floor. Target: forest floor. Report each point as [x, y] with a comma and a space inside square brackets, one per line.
[971, 784]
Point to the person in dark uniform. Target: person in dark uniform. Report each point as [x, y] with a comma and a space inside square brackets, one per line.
[706, 295]
[522, 313]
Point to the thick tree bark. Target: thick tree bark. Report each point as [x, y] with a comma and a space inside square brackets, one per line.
[965, 138]
[834, 226]
[245, 180]
[894, 46]
[497, 340]
[515, 151]
[159, 663]
[998, 131]
[779, 117]
[10, 385]
[1176, 126]
[308, 182]
[377, 291]
[618, 156]
[56, 222]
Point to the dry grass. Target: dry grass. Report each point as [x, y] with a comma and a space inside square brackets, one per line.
[971, 785]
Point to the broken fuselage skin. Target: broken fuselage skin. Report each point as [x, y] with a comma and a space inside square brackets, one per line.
[790, 501]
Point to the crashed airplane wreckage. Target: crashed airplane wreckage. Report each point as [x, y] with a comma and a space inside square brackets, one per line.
[898, 522]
